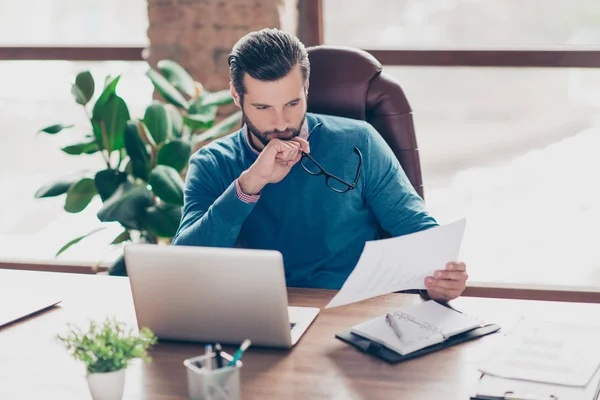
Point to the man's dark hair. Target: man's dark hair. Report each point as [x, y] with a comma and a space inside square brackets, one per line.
[266, 55]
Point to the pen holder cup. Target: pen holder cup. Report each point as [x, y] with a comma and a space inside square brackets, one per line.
[216, 384]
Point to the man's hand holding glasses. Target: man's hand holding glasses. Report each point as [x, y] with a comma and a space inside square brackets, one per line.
[277, 159]
[273, 164]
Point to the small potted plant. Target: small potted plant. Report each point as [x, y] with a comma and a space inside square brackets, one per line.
[106, 350]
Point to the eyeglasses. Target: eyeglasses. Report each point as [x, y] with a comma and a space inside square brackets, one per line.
[335, 183]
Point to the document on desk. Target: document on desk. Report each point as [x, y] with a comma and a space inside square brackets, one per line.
[549, 352]
[400, 263]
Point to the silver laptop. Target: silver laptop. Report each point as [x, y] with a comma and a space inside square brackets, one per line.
[210, 295]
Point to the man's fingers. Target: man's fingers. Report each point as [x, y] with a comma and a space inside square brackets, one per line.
[449, 283]
[293, 162]
[451, 275]
[288, 151]
[445, 284]
[304, 146]
[456, 266]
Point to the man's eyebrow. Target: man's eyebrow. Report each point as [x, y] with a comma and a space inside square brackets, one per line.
[268, 105]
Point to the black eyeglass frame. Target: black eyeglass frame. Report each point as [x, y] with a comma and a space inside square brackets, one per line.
[329, 176]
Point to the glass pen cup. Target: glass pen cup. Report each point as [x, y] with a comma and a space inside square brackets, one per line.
[216, 383]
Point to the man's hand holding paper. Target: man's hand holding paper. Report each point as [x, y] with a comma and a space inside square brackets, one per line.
[407, 262]
[447, 284]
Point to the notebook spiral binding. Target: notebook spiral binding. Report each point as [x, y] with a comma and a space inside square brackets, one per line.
[426, 325]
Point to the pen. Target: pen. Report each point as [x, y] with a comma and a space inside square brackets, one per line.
[238, 354]
[212, 382]
[390, 320]
[209, 355]
[218, 355]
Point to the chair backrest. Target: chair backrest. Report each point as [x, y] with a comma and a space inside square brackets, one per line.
[350, 83]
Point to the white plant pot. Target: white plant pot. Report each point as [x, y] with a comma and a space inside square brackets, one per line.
[107, 385]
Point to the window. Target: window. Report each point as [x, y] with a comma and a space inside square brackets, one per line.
[462, 24]
[73, 23]
[512, 149]
[36, 94]
[515, 151]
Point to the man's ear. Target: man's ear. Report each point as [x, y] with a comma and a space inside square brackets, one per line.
[306, 84]
[235, 95]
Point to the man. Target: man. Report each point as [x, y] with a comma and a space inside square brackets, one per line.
[314, 187]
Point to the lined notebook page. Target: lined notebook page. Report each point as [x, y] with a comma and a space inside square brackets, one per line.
[422, 325]
[414, 337]
[446, 321]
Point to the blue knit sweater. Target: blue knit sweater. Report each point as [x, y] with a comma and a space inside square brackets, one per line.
[319, 232]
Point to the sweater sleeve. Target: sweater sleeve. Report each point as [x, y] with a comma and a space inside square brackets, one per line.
[389, 193]
[211, 217]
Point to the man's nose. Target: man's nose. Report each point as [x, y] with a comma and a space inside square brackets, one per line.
[280, 122]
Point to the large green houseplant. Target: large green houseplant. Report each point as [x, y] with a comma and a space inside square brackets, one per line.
[146, 158]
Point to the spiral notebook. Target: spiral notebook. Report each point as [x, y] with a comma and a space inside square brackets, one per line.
[420, 326]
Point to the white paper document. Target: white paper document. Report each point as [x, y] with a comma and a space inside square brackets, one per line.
[401, 263]
[550, 352]
[496, 387]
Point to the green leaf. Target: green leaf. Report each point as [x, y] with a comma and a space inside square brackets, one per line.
[175, 153]
[53, 129]
[107, 81]
[80, 195]
[201, 121]
[110, 87]
[139, 157]
[219, 98]
[167, 184]
[78, 94]
[163, 220]
[88, 147]
[83, 89]
[113, 115]
[178, 76]
[127, 205]
[167, 90]
[145, 134]
[157, 120]
[176, 120]
[221, 129]
[54, 189]
[76, 240]
[122, 237]
[107, 181]
[118, 268]
[107, 346]
[196, 107]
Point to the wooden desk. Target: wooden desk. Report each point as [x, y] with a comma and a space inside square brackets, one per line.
[33, 365]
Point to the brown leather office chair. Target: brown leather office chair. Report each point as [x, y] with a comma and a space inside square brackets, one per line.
[348, 82]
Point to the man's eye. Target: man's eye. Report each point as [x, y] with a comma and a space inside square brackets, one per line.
[261, 108]
[294, 104]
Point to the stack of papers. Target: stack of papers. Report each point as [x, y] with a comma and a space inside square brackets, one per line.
[549, 352]
[544, 360]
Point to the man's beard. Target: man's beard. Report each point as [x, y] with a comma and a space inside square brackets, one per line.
[265, 137]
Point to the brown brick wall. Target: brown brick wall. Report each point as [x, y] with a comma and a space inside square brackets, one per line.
[199, 34]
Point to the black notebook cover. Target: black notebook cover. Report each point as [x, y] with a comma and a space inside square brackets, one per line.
[382, 352]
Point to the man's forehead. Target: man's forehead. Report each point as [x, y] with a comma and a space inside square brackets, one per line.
[293, 81]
